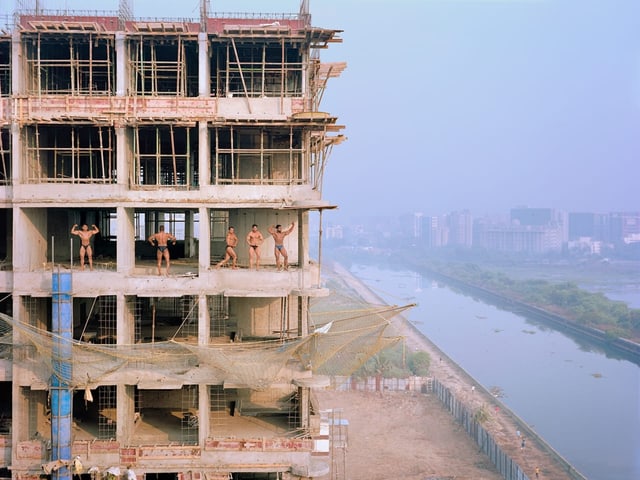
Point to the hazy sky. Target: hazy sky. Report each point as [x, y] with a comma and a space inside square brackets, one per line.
[478, 104]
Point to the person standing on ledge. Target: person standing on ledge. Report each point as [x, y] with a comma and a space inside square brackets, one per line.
[85, 242]
[254, 239]
[161, 239]
[278, 250]
[230, 250]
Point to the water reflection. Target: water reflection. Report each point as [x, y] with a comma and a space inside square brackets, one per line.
[581, 398]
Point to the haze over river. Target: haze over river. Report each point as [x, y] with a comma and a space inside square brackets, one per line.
[584, 401]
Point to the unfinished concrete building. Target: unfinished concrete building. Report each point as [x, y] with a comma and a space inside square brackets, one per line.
[129, 125]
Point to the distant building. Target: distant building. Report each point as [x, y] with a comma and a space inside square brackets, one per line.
[460, 228]
[435, 232]
[532, 216]
[522, 239]
[417, 225]
[335, 232]
[581, 225]
[623, 225]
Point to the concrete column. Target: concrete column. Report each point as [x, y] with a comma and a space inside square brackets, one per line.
[204, 255]
[30, 241]
[122, 156]
[189, 241]
[303, 316]
[204, 154]
[17, 86]
[126, 240]
[125, 321]
[122, 72]
[304, 396]
[303, 239]
[303, 247]
[17, 69]
[124, 415]
[19, 402]
[203, 389]
[124, 393]
[203, 414]
[17, 165]
[204, 69]
[204, 321]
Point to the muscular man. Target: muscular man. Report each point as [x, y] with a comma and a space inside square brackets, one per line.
[161, 239]
[85, 242]
[230, 249]
[254, 239]
[279, 251]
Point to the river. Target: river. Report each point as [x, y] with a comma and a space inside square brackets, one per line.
[583, 400]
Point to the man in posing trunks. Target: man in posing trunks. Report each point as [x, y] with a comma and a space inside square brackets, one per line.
[161, 238]
[230, 252]
[85, 242]
[279, 250]
[254, 239]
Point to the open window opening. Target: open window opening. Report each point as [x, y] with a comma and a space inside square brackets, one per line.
[242, 220]
[95, 319]
[95, 413]
[38, 415]
[6, 307]
[270, 69]
[221, 327]
[181, 224]
[218, 228]
[165, 156]
[5, 67]
[103, 242]
[243, 412]
[263, 318]
[5, 407]
[256, 476]
[5, 156]
[164, 65]
[160, 319]
[166, 416]
[163, 476]
[320, 148]
[274, 402]
[246, 155]
[37, 313]
[77, 64]
[6, 236]
[69, 154]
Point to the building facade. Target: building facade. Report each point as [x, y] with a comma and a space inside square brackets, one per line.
[192, 126]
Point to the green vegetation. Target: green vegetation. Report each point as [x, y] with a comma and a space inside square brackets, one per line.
[395, 362]
[562, 298]
[419, 363]
[481, 415]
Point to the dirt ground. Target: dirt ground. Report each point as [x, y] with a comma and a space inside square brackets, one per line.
[410, 435]
[403, 435]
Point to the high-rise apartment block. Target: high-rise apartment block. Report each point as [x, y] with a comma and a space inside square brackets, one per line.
[131, 127]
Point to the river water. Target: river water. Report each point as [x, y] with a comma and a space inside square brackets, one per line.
[583, 400]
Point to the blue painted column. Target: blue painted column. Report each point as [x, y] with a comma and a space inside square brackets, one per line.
[61, 390]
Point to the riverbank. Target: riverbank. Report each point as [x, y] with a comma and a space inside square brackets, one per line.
[502, 424]
[626, 348]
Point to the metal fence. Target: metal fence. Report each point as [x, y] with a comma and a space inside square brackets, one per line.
[505, 465]
[462, 414]
[380, 384]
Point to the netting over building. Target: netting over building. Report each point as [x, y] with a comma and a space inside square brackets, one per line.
[337, 348]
